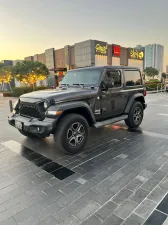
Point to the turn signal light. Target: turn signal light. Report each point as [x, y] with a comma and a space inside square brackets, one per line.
[58, 113]
[53, 113]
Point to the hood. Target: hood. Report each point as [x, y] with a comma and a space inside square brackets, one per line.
[59, 94]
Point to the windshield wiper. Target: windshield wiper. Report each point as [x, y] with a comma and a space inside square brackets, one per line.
[81, 85]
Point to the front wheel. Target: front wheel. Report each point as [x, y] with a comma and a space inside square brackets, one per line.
[135, 115]
[71, 133]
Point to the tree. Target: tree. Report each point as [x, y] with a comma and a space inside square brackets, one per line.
[5, 76]
[163, 75]
[29, 72]
[151, 72]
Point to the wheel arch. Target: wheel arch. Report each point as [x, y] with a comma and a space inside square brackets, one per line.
[140, 99]
[136, 97]
[83, 111]
[81, 108]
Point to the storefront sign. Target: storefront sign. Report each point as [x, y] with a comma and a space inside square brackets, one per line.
[100, 48]
[135, 54]
[116, 50]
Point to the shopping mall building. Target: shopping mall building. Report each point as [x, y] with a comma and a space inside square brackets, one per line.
[84, 54]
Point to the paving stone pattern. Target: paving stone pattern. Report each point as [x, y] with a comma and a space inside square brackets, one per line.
[119, 182]
[121, 177]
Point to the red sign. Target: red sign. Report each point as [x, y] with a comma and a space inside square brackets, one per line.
[116, 50]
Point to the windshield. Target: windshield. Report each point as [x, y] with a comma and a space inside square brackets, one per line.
[84, 76]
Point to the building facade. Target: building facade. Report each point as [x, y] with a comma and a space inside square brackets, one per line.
[7, 62]
[166, 68]
[141, 48]
[154, 56]
[84, 54]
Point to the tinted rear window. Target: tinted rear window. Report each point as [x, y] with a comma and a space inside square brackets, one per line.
[132, 78]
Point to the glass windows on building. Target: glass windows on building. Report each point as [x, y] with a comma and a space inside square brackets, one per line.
[149, 56]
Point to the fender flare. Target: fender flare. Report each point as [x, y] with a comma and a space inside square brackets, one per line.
[72, 105]
[131, 100]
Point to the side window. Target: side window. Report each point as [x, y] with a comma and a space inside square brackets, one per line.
[132, 78]
[114, 76]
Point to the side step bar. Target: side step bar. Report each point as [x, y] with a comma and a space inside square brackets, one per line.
[110, 121]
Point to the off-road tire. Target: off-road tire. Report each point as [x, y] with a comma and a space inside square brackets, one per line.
[131, 122]
[61, 134]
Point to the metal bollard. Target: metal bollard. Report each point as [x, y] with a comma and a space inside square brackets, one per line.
[10, 105]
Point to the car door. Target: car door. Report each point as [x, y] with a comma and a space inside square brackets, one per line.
[113, 100]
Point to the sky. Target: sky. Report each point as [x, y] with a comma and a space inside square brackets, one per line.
[30, 27]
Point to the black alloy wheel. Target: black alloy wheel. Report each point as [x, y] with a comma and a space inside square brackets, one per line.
[71, 133]
[135, 115]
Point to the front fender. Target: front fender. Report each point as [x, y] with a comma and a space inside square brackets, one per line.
[72, 106]
[131, 100]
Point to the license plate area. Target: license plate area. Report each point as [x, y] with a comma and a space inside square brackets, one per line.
[19, 125]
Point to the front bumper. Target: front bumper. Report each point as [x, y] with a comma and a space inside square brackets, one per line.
[32, 125]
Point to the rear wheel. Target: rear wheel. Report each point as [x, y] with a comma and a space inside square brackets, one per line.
[135, 115]
[71, 133]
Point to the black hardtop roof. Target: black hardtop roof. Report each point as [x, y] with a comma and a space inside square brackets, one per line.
[107, 67]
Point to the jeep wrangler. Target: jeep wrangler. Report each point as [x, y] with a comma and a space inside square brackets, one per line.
[87, 97]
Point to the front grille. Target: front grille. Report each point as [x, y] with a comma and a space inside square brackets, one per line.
[30, 111]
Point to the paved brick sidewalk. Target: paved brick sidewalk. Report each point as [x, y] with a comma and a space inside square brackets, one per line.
[119, 181]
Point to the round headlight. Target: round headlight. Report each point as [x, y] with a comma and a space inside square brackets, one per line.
[45, 105]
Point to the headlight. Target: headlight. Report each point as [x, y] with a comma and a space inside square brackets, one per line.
[45, 105]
